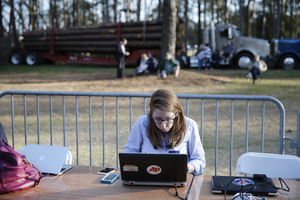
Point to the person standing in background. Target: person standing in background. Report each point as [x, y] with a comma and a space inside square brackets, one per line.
[120, 56]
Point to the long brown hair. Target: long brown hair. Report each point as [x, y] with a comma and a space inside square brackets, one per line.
[166, 100]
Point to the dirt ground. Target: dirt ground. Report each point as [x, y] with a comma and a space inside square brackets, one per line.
[187, 82]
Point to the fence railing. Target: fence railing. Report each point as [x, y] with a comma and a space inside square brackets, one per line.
[95, 125]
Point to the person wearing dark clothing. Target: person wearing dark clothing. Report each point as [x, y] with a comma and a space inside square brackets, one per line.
[228, 52]
[152, 64]
[254, 71]
[179, 57]
[120, 56]
[215, 59]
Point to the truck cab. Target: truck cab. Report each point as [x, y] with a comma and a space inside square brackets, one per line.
[245, 47]
[286, 52]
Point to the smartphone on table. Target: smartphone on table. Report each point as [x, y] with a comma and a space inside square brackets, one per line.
[110, 178]
[106, 170]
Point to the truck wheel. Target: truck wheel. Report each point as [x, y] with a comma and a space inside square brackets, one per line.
[244, 60]
[288, 62]
[17, 58]
[33, 58]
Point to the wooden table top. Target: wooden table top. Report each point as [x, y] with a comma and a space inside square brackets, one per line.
[82, 182]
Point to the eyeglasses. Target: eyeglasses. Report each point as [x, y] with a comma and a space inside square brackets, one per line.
[167, 120]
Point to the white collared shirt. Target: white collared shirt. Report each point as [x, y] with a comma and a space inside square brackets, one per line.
[123, 48]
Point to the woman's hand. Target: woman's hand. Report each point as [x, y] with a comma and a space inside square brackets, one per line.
[191, 168]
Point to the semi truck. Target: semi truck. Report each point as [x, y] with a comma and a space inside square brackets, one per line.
[245, 47]
[286, 53]
[92, 44]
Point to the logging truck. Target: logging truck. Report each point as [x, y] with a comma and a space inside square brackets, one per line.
[92, 44]
[245, 47]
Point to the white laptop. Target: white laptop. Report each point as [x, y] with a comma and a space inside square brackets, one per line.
[48, 158]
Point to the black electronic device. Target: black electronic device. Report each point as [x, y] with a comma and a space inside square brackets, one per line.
[106, 170]
[257, 185]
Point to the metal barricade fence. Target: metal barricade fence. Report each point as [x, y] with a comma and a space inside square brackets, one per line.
[95, 125]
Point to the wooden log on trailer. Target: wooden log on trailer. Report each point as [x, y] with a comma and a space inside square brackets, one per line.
[99, 37]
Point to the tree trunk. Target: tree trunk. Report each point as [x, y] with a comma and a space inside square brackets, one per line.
[199, 23]
[263, 20]
[241, 15]
[1, 25]
[74, 13]
[253, 19]
[56, 14]
[33, 14]
[278, 12]
[21, 16]
[103, 11]
[138, 10]
[13, 23]
[168, 41]
[128, 14]
[225, 12]
[292, 19]
[116, 15]
[204, 12]
[107, 12]
[212, 10]
[159, 9]
[186, 24]
[247, 18]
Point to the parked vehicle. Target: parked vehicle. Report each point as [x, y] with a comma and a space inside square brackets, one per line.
[92, 44]
[193, 61]
[286, 53]
[245, 47]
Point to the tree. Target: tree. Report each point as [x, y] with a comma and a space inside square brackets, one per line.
[138, 11]
[247, 18]
[263, 19]
[199, 23]
[116, 14]
[105, 11]
[1, 25]
[13, 24]
[241, 2]
[168, 40]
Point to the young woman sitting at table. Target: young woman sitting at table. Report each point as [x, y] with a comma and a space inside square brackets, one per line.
[166, 130]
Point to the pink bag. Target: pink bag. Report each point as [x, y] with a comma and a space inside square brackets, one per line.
[16, 172]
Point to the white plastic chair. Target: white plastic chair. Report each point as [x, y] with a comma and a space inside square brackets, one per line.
[272, 165]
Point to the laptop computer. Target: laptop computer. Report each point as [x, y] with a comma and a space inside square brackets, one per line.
[253, 185]
[49, 159]
[153, 169]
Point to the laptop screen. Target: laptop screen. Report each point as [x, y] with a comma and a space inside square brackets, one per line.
[48, 158]
[151, 169]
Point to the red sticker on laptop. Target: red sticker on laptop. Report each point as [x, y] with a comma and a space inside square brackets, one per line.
[153, 169]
